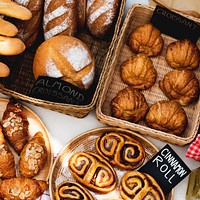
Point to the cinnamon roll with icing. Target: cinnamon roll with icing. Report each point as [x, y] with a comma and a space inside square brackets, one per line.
[93, 171]
[120, 150]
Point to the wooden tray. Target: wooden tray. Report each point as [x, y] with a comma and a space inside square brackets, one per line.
[136, 16]
[86, 142]
[35, 125]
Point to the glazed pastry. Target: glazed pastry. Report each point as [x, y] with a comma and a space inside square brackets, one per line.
[120, 150]
[136, 185]
[181, 86]
[70, 190]
[138, 71]
[93, 171]
[15, 125]
[167, 116]
[182, 54]
[146, 39]
[33, 156]
[22, 188]
[129, 104]
[7, 164]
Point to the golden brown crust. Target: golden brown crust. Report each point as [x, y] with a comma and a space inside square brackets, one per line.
[81, 13]
[22, 188]
[72, 190]
[4, 70]
[167, 116]
[65, 57]
[137, 185]
[129, 104]
[101, 15]
[15, 125]
[93, 171]
[180, 85]
[146, 39]
[33, 157]
[139, 72]
[120, 150]
[182, 54]
[7, 164]
[7, 28]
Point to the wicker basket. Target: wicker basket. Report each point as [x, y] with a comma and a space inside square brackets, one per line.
[136, 16]
[21, 78]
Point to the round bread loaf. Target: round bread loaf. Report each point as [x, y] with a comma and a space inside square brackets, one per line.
[65, 57]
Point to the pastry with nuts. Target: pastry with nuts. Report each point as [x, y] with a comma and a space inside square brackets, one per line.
[33, 157]
[15, 125]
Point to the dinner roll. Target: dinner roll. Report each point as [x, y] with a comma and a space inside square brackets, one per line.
[65, 57]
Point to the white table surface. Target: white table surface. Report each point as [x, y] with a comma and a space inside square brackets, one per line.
[63, 128]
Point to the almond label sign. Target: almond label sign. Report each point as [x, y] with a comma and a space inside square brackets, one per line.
[57, 90]
[175, 25]
[167, 168]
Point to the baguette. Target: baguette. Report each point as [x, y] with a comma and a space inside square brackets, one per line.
[7, 28]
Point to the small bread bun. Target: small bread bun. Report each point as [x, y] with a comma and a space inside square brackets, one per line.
[65, 57]
[12, 9]
[7, 28]
[11, 46]
[4, 70]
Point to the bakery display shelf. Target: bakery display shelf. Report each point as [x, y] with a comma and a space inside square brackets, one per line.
[86, 142]
[21, 79]
[136, 16]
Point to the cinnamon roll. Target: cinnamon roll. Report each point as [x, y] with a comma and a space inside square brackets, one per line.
[93, 171]
[120, 150]
[137, 185]
[72, 190]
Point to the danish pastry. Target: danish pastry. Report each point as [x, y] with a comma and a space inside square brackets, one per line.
[33, 156]
[167, 116]
[15, 125]
[181, 86]
[146, 39]
[182, 54]
[136, 185]
[93, 171]
[138, 71]
[129, 104]
[70, 190]
[120, 150]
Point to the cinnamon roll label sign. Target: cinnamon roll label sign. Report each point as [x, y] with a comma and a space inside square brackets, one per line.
[175, 25]
[57, 90]
[167, 168]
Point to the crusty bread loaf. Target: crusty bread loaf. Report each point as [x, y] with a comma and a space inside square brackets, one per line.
[65, 57]
[81, 15]
[60, 17]
[7, 28]
[4, 70]
[101, 15]
[29, 30]
[12, 9]
[11, 46]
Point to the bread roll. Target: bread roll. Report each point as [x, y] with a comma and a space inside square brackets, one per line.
[4, 70]
[11, 46]
[65, 57]
[29, 29]
[101, 15]
[60, 17]
[7, 28]
[12, 9]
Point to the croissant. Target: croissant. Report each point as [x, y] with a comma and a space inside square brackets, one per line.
[7, 161]
[33, 157]
[93, 171]
[167, 116]
[15, 125]
[181, 86]
[182, 54]
[22, 188]
[139, 72]
[129, 104]
[72, 190]
[120, 150]
[146, 39]
[136, 185]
